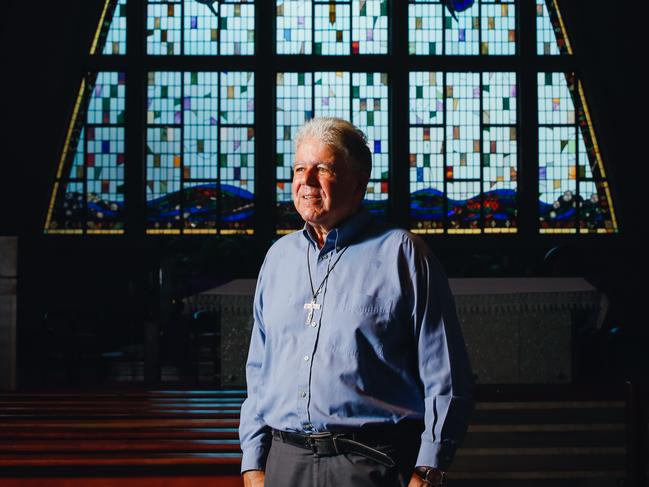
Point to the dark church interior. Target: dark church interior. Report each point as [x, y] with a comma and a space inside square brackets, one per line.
[121, 354]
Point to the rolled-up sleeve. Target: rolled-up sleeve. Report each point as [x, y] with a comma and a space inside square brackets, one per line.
[254, 434]
[444, 367]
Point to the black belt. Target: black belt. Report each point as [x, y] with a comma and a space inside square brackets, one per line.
[329, 444]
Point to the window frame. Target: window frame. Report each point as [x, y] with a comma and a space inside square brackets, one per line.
[398, 63]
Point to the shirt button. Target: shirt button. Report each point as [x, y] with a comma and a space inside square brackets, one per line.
[314, 324]
[303, 394]
[306, 358]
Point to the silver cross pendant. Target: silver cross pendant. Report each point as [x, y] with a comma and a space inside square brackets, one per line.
[312, 306]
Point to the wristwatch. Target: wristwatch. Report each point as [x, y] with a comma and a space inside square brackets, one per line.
[432, 476]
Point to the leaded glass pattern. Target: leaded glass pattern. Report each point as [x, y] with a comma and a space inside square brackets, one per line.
[190, 27]
[463, 152]
[332, 28]
[199, 125]
[164, 28]
[369, 27]
[359, 97]
[551, 36]
[237, 28]
[324, 27]
[498, 28]
[88, 194]
[294, 27]
[115, 40]
[425, 28]
[488, 28]
[201, 28]
[200, 152]
[574, 196]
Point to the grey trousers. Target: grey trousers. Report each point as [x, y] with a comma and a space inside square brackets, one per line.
[291, 466]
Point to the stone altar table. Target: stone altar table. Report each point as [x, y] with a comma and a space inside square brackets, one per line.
[517, 330]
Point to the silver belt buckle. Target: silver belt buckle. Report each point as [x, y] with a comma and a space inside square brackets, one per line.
[324, 435]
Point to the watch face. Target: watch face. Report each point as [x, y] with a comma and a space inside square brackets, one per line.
[435, 476]
[432, 475]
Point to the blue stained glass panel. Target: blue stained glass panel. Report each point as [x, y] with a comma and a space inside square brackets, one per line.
[189, 27]
[200, 125]
[573, 191]
[115, 41]
[551, 36]
[200, 152]
[88, 195]
[369, 27]
[332, 29]
[463, 163]
[486, 27]
[498, 27]
[327, 27]
[294, 26]
[201, 28]
[425, 28]
[237, 28]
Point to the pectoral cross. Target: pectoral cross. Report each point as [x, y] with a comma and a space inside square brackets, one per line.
[311, 307]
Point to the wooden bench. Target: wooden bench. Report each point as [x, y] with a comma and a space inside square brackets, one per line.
[158, 438]
[536, 435]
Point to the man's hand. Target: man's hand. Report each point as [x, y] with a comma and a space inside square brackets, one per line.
[416, 481]
[253, 478]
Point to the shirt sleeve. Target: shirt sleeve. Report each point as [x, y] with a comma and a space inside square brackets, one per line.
[254, 434]
[444, 367]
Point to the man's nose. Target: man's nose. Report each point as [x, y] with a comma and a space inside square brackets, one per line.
[310, 175]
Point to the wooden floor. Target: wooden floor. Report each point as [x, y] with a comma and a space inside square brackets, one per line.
[189, 438]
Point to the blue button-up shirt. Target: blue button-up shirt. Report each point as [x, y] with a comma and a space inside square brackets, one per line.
[383, 343]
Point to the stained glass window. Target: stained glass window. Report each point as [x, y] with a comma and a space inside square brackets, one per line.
[488, 28]
[199, 121]
[200, 152]
[332, 28]
[573, 189]
[359, 97]
[111, 31]
[463, 152]
[88, 192]
[191, 27]
[551, 37]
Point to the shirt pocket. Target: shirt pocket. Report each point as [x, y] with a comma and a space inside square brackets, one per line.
[366, 305]
[369, 315]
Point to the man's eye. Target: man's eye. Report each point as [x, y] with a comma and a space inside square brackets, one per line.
[324, 170]
[298, 169]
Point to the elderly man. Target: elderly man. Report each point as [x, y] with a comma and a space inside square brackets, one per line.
[357, 371]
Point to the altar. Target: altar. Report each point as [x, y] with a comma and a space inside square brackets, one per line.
[517, 330]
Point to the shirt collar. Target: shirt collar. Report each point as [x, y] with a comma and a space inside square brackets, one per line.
[342, 234]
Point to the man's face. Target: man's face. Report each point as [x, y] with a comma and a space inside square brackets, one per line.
[325, 189]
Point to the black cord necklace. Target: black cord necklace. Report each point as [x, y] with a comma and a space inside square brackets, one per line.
[313, 305]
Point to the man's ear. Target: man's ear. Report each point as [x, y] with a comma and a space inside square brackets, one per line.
[363, 181]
